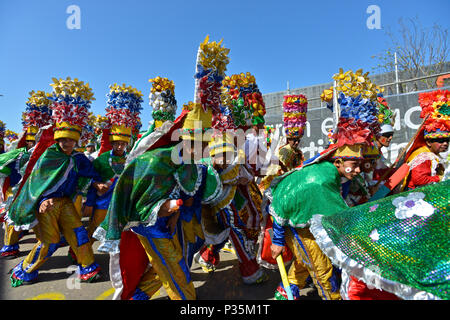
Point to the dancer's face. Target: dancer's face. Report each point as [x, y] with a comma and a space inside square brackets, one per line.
[348, 168]
[119, 147]
[67, 145]
[438, 145]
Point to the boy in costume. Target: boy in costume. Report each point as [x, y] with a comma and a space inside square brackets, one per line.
[14, 162]
[292, 195]
[294, 118]
[123, 108]
[425, 165]
[162, 227]
[45, 201]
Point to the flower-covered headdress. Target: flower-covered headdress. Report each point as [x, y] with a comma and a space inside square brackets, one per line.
[436, 109]
[70, 107]
[123, 109]
[248, 107]
[294, 115]
[212, 60]
[356, 113]
[386, 117]
[37, 113]
[162, 99]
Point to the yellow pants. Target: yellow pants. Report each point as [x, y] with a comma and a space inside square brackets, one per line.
[11, 236]
[310, 261]
[62, 217]
[78, 203]
[168, 268]
[97, 217]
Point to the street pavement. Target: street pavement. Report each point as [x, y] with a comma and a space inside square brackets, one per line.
[57, 280]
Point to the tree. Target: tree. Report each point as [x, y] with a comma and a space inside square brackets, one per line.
[420, 52]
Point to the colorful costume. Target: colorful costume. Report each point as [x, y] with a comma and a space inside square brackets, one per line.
[422, 162]
[55, 177]
[398, 244]
[291, 195]
[294, 118]
[237, 214]
[161, 174]
[123, 108]
[14, 162]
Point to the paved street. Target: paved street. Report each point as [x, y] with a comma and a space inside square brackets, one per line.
[57, 280]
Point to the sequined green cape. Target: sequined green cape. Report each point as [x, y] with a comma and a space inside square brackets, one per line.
[299, 194]
[144, 185]
[400, 244]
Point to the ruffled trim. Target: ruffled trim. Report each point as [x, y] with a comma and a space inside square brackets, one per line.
[360, 272]
[218, 190]
[218, 238]
[109, 246]
[22, 226]
[197, 183]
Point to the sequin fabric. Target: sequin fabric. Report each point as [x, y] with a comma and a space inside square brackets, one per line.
[403, 238]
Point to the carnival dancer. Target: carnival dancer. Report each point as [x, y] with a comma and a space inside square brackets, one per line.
[123, 108]
[45, 201]
[14, 162]
[242, 216]
[425, 165]
[166, 174]
[294, 118]
[292, 195]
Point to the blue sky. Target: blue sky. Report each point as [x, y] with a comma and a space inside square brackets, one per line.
[303, 42]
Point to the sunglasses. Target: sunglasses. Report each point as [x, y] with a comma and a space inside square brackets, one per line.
[440, 140]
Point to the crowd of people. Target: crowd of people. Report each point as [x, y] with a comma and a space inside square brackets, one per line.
[346, 221]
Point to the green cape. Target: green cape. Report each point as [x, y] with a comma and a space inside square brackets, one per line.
[299, 194]
[144, 185]
[16, 154]
[400, 244]
[48, 173]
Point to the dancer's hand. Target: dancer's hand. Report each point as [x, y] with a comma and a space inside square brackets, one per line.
[276, 250]
[165, 209]
[102, 188]
[46, 205]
